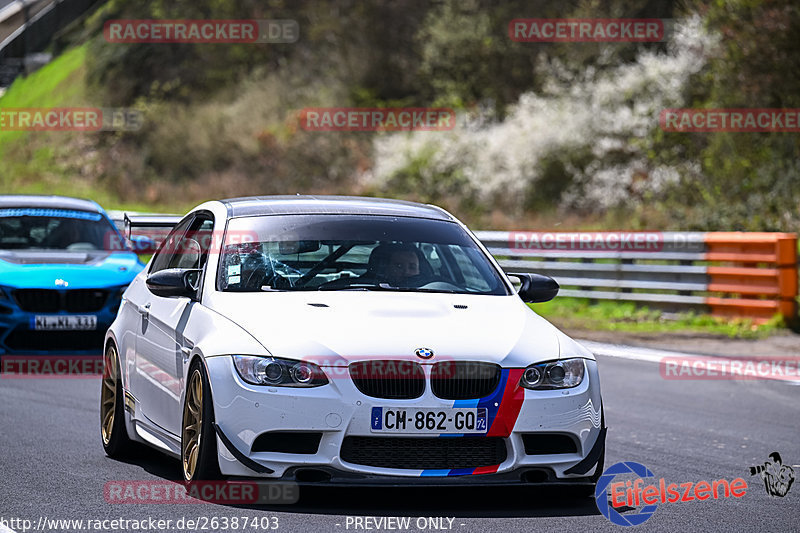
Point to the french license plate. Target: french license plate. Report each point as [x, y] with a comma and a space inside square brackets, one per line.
[428, 421]
[64, 322]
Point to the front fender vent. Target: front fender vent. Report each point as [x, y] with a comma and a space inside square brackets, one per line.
[548, 443]
[305, 442]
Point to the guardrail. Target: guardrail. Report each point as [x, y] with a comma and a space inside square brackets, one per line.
[28, 27]
[17, 15]
[729, 274]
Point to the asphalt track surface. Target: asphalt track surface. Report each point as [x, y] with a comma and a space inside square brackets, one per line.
[52, 464]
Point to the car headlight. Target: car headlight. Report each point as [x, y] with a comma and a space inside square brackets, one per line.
[562, 374]
[278, 372]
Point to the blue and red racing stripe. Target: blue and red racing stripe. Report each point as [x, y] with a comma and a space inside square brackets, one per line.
[502, 410]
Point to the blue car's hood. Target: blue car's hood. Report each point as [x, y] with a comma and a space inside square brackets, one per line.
[39, 269]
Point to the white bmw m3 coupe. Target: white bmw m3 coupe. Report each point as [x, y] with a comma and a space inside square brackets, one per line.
[346, 341]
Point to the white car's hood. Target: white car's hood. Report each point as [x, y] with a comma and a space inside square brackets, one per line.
[335, 328]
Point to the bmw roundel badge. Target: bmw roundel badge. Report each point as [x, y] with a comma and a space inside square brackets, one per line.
[424, 353]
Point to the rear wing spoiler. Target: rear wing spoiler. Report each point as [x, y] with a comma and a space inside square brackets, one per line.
[149, 223]
[143, 233]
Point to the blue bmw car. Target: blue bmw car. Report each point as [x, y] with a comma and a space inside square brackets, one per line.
[63, 269]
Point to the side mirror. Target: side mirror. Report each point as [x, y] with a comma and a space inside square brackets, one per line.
[172, 282]
[536, 288]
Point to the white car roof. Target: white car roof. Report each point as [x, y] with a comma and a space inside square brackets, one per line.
[354, 205]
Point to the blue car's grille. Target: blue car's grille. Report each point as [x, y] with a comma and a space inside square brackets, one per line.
[80, 301]
[38, 300]
[51, 301]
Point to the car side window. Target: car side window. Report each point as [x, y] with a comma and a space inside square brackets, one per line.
[205, 237]
[166, 254]
[192, 248]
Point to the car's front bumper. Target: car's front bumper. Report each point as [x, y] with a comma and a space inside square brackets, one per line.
[339, 410]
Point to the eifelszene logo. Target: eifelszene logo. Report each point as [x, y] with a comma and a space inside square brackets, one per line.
[622, 489]
[608, 508]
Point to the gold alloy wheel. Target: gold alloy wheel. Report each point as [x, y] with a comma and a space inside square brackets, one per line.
[192, 424]
[108, 397]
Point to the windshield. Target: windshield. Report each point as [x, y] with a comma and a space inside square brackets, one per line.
[335, 252]
[56, 229]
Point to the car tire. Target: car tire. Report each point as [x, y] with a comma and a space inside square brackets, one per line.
[113, 433]
[199, 460]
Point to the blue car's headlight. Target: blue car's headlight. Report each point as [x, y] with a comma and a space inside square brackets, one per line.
[278, 372]
[563, 374]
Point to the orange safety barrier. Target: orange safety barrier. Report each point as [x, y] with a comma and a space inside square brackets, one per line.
[759, 278]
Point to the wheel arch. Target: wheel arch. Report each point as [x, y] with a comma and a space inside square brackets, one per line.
[110, 339]
[197, 356]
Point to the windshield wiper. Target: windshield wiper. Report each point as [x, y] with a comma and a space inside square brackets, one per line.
[387, 287]
[444, 291]
[267, 288]
[361, 287]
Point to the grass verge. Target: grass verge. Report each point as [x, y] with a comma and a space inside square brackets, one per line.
[575, 313]
[61, 162]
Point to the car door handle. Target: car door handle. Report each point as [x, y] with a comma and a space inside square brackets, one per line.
[144, 309]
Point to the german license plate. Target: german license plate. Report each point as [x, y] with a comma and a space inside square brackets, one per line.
[64, 322]
[428, 421]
